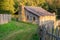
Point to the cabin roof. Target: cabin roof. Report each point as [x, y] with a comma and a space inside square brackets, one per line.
[38, 11]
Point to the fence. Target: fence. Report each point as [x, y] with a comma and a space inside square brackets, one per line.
[48, 32]
[5, 18]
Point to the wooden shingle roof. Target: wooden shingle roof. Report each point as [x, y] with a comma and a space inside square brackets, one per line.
[38, 11]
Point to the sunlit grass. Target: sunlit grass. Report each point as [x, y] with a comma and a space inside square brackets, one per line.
[28, 33]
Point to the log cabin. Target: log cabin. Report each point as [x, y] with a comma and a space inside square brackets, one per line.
[35, 15]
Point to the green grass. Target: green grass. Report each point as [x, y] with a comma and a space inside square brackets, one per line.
[28, 31]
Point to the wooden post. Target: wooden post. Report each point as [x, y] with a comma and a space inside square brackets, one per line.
[40, 32]
[56, 32]
[43, 32]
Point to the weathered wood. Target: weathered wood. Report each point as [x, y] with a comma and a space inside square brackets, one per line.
[49, 33]
[5, 18]
[43, 32]
[53, 36]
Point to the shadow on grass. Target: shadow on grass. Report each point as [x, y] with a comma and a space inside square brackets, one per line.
[35, 37]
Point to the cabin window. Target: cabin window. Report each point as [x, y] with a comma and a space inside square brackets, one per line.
[34, 19]
[27, 17]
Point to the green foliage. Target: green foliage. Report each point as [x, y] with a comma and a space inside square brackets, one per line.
[15, 5]
[54, 6]
[5, 12]
[40, 3]
[32, 2]
[7, 5]
[45, 6]
[12, 5]
[58, 17]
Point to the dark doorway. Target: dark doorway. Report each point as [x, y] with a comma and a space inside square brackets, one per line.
[34, 19]
[27, 17]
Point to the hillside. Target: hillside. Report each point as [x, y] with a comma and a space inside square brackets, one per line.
[18, 31]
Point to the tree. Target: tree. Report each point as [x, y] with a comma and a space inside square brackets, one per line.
[55, 6]
[16, 5]
[6, 6]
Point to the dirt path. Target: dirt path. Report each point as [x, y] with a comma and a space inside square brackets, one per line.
[15, 33]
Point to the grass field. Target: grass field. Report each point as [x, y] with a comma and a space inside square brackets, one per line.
[18, 31]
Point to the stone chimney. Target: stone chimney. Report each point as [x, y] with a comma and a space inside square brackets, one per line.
[22, 13]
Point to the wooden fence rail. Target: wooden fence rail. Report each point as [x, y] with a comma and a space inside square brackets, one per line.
[49, 32]
[56, 37]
